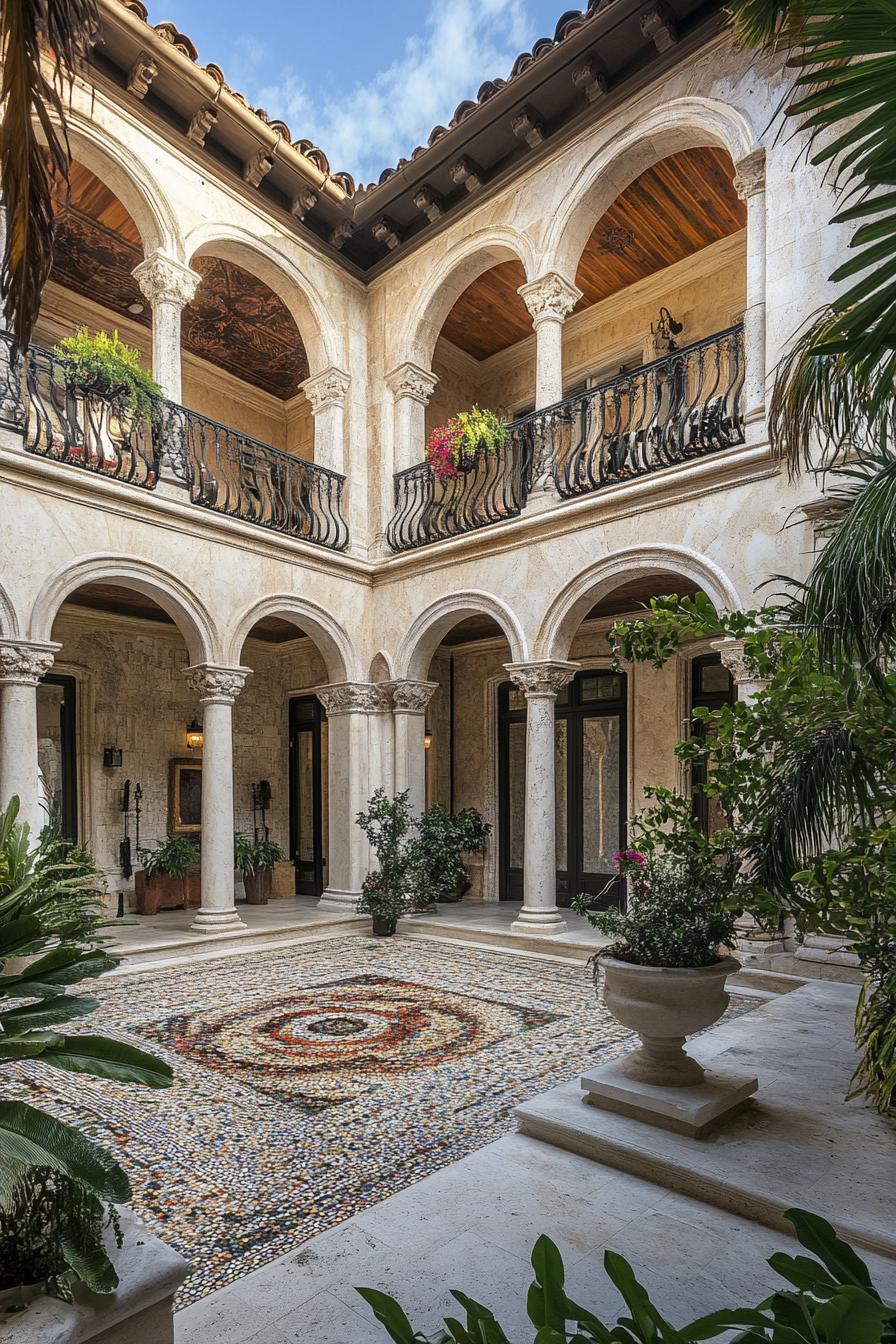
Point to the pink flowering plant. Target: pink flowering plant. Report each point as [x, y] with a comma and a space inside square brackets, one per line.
[455, 446]
[682, 890]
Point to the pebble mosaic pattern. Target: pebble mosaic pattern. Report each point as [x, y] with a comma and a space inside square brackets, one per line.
[316, 1080]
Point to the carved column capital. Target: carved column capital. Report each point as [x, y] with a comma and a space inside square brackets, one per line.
[412, 697]
[733, 658]
[749, 174]
[216, 685]
[546, 678]
[23, 662]
[327, 389]
[355, 697]
[409, 380]
[549, 299]
[164, 280]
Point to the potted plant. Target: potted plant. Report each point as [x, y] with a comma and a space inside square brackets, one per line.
[255, 862]
[665, 974]
[169, 879]
[438, 871]
[105, 373]
[456, 447]
[387, 892]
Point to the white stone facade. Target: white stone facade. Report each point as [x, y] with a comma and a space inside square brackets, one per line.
[376, 360]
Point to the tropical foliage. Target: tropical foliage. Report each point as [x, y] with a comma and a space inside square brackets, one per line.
[105, 365]
[806, 772]
[176, 855]
[828, 1298]
[250, 856]
[50, 941]
[455, 446]
[683, 890]
[438, 871]
[34, 149]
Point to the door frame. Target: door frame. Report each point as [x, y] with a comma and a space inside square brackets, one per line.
[575, 711]
[68, 742]
[313, 885]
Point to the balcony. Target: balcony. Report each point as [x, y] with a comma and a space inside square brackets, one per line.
[222, 469]
[683, 406]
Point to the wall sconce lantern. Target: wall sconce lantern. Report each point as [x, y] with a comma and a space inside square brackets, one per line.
[666, 329]
[112, 758]
[195, 735]
[427, 738]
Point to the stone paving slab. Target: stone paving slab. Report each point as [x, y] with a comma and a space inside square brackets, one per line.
[798, 1142]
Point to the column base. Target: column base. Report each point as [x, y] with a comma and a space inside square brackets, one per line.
[545, 922]
[216, 921]
[340, 902]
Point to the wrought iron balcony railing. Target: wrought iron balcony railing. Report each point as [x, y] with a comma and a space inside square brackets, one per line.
[240, 476]
[679, 407]
[493, 488]
[223, 469]
[682, 406]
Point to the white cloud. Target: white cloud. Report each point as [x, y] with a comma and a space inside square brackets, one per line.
[369, 127]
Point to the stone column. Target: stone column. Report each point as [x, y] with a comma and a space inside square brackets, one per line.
[22, 664]
[541, 683]
[350, 706]
[410, 699]
[753, 942]
[217, 689]
[326, 392]
[549, 300]
[749, 183]
[169, 286]
[411, 389]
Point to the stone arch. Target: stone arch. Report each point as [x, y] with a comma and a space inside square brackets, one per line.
[126, 174]
[273, 267]
[333, 643]
[445, 284]
[684, 123]
[172, 595]
[423, 638]
[9, 624]
[572, 604]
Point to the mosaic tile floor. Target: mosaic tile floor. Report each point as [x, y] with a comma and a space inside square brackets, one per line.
[314, 1081]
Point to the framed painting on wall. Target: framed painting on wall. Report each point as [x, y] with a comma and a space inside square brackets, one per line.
[184, 796]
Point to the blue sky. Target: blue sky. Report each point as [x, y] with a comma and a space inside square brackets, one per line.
[364, 81]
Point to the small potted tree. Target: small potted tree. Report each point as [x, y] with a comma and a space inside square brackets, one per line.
[254, 861]
[665, 974]
[169, 879]
[438, 871]
[387, 893]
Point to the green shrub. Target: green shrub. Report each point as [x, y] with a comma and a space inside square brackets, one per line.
[438, 871]
[176, 855]
[249, 855]
[105, 365]
[387, 823]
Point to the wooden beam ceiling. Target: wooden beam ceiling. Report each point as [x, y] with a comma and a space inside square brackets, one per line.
[680, 205]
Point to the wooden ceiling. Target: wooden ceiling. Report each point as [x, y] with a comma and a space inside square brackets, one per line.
[680, 205]
[235, 321]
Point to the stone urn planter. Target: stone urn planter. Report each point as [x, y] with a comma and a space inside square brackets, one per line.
[665, 1005]
[163, 891]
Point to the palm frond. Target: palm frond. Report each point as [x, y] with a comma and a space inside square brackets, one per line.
[819, 789]
[33, 108]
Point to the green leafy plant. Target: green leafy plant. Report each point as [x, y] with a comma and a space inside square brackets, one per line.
[249, 856]
[49, 942]
[437, 869]
[456, 445]
[105, 365]
[176, 855]
[830, 1299]
[387, 893]
[51, 1226]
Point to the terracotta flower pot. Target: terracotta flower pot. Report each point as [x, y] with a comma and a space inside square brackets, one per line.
[164, 892]
[665, 1005]
[258, 886]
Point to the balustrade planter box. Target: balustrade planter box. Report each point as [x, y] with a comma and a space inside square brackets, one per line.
[164, 892]
[138, 1312]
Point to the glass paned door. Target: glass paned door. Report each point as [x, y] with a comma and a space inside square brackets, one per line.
[308, 810]
[590, 784]
[56, 750]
